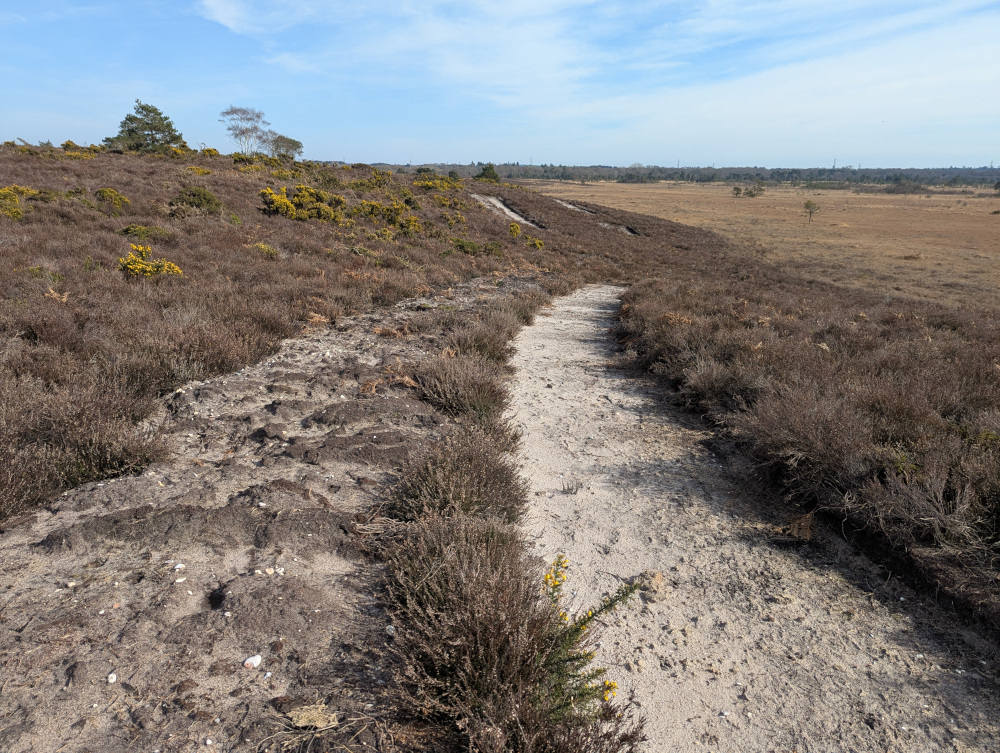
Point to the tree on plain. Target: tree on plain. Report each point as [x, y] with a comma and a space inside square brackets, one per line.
[145, 130]
[247, 129]
[488, 173]
[811, 208]
[996, 187]
[283, 146]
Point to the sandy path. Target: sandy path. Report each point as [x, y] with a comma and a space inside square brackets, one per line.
[756, 647]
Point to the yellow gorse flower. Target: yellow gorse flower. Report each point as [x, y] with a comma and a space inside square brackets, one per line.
[139, 264]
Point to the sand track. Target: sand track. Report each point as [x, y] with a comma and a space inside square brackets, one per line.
[761, 644]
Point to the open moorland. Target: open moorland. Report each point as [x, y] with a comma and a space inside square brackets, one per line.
[940, 244]
[254, 429]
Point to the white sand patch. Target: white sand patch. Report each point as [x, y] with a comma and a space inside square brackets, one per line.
[495, 204]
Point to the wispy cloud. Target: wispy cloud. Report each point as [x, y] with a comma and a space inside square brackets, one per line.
[523, 51]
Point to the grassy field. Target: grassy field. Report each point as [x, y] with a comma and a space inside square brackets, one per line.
[939, 245]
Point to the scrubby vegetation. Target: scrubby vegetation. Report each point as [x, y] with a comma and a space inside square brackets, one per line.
[485, 644]
[883, 411]
[81, 367]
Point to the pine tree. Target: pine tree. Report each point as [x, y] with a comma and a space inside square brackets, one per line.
[145, 130]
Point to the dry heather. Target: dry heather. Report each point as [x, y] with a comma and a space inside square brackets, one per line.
[93, 332]
[880, 408]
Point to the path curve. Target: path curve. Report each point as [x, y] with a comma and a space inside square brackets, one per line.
[756, 646]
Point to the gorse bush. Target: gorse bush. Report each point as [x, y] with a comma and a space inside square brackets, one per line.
[10, 200]
[145, 233]
[439, 184]
[114, 201]
[195, 199]
[139, 263]
[306, 204]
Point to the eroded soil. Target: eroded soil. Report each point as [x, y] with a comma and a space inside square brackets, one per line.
[129, 606]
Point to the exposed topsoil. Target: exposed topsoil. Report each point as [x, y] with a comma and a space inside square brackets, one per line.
[129, 606]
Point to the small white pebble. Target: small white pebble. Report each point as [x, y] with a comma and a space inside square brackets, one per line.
[267, 675]
[217, 720]
[101, 612]
[252, 662]
[262, 504]
[919, 656]
[208, 742]
[180, 580]
[112, 679]
[227, 614]
[179, 566]
[71, 584]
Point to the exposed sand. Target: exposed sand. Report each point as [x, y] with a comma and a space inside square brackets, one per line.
[762, 643]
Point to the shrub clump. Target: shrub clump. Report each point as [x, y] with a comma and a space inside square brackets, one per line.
[305, 204]
[195, 199]
[114, 200]
[438, 184]
[465, 385]
[10, 200]
[144, 233]
[467, 474]
[488, 174]
[483, 648]
[139, 264]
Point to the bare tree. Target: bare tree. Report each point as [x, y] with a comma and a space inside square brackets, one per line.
[247, 129]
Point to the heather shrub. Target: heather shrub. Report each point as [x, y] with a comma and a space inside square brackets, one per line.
[488, 336]
[465, 385]
[875, 408]
[466, 473]
[484, 648]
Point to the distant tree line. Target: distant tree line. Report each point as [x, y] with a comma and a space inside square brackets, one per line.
[908, 180]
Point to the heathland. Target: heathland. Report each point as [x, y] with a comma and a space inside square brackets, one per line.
[139, 292]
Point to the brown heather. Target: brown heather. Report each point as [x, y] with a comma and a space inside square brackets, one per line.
[882, 410]
[86, 352]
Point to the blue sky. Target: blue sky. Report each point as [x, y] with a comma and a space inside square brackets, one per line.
[775, 83]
